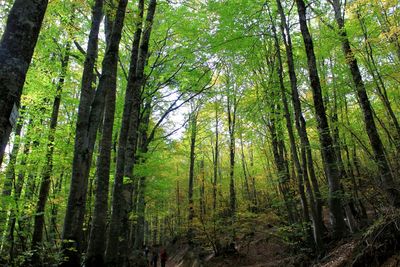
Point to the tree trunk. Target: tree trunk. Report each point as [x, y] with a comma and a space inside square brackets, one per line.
[231, 108]
[122, 193]
[305, 149]
[387, 180]
[380, 84]
[141, 204]
[90, 121]
[317, 223]
[327, 150]
[97, 240]
[193, 134]
[48, 167]
[215, 159]
[16, 50]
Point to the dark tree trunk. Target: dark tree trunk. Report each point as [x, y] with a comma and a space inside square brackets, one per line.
[192, 156]
[16, 50]
[216, 159]
[318, 230]
[386, 176]
[301, 127]
[327, 150]
[119, 227]
[231, 108]
[143, 145]
[90, 122]
[122, 194]
[202, 191]
[380, 84]
[97, 239]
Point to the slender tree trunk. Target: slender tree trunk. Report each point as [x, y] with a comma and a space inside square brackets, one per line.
[387, 180]
[16, 50]
[202, 191]
[82, 150]
[327, 150]
[380, 84]
[305, 149]
[193, 129]
[122, 203]
[282, 171]
[231, 108]
[17, 194]
[141, 204]
[47, 171]
[216, 159]
[317, 222]
[245, 171]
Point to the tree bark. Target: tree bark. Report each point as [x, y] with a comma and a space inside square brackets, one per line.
[90, 121]
[141, 204]
[215, 159]
[119, 227]
[386, 176]
[327, 150]
[128, 139]
[192, 156]
[16, 50]
[97, 240]
[231, 112]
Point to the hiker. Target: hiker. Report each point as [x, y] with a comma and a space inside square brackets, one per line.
[146, 254]
[154, 258]
[163, 257]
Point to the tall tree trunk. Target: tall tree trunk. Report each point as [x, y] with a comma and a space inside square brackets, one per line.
[215, 159]
[16, 50]
[387, 180]
[202, 191]
[97, 240]
[317, 222]
[123, 193]
[141, 204]
[327, 150]
[282, 171]
[245, 169]
[231, 108]
[380, 84]
[300, 122]
[74, 217]
[192, 156]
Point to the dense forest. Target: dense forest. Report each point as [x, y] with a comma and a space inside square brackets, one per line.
[228, 132]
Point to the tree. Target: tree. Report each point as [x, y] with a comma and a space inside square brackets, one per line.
[16, 51]
[327, 151]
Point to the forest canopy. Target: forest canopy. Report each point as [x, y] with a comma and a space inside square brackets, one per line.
[215, 129]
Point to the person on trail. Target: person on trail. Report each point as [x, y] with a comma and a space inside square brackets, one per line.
[163, 257]
[146, 254]
[154, 258]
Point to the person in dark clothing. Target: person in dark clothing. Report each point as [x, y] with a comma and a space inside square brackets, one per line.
[163, 257]
[146, 254]
[154, 258]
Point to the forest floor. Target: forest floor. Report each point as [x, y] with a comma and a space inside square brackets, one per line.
[376, 246]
